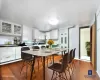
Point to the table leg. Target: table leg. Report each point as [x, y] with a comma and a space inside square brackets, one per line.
[43, 67]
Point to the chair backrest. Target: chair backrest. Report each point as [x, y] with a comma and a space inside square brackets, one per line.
[47, 46]
[70, 56]
[43, 47]
[35, 47]
[25, 56]
[64, 62]
[74, 53]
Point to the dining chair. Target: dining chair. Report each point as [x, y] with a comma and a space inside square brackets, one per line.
[59, 69]
[47, 46]
[70, 58]
[27, 59]
[43, 47]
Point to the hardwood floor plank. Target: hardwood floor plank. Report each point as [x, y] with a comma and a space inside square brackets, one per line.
[80, 72]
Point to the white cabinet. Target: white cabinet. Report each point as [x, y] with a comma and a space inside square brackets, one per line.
[27, 33]
[37, 34]
[41, 35]
[18, 52]
[17, 29]
[54, 34]
[8, 28]
[7, 54]
[47, 35]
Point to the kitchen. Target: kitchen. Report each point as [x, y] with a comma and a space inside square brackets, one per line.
[12, 37]
[47, 32]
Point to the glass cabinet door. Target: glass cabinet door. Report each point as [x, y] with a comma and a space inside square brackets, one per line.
[6, 27]
[17, 29]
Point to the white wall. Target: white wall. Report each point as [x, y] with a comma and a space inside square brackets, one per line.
[84, 37]
[74, 39]
[27, 33]
[98, 43]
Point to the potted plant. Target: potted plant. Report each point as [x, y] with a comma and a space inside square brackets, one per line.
[50, 42]
[87, 45]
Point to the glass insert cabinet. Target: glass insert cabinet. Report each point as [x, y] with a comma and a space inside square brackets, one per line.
[9, 28]
[6, 27]
[17, 29]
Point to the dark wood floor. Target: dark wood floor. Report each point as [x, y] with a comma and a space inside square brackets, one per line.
[12, 71]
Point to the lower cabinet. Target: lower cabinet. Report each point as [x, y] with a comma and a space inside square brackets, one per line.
[18, 52]
[8, 54]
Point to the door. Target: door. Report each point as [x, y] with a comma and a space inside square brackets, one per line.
[63, 38]
[85, 43]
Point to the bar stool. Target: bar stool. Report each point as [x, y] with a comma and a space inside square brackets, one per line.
[58, 68]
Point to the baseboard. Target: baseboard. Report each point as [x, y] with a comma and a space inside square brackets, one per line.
[82, 60]
[98, 73]
[8, 62]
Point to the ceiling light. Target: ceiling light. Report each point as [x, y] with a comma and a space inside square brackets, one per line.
[53, 21]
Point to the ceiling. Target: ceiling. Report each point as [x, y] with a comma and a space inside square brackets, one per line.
[37, 13]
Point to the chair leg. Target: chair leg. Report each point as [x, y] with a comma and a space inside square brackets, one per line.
[65, 75]
[74, 64]
[22, 67]
[69, 71]
[52, 75]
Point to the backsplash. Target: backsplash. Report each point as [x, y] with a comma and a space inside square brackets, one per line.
[6, 39]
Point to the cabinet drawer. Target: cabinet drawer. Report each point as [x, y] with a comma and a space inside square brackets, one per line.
[7, 58]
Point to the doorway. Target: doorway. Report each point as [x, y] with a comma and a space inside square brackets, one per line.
[84, 43]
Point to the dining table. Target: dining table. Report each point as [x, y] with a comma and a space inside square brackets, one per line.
[44, 53]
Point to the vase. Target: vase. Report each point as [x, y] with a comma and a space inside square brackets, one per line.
[50, 46]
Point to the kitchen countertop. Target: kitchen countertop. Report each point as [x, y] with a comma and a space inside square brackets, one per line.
[8, 45]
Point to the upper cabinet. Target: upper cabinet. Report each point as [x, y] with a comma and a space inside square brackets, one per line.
[47, 35]
[37, 34]
[54, 34]
[17, 29]
[27, 33]
[8, 28]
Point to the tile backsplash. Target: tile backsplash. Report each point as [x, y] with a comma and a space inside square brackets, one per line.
[5, 39]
